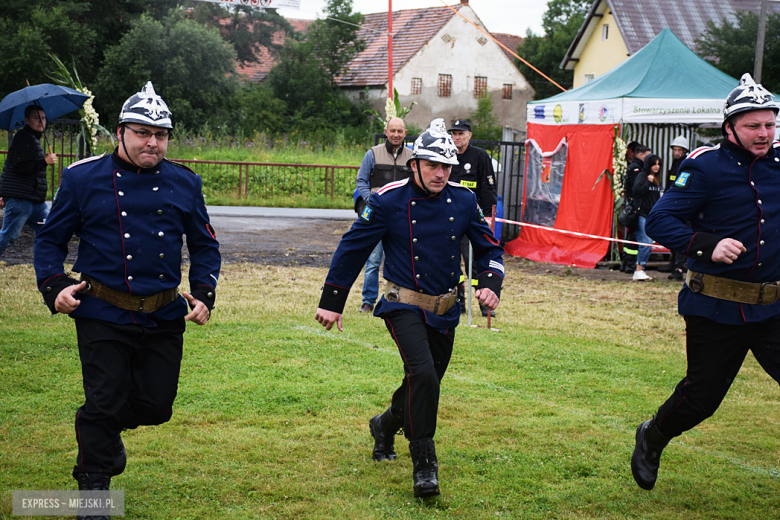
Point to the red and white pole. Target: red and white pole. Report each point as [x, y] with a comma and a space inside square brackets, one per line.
[390, 49]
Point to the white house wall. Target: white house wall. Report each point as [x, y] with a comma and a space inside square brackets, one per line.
[464, 58]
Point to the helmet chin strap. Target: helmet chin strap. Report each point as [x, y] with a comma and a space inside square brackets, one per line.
[734, 133]
[422, 184]
[122, 133]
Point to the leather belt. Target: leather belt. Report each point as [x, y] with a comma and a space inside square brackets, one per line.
[435, 304]
[126, 301]
[765, 293]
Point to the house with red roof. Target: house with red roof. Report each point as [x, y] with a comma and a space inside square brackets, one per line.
[442, 61]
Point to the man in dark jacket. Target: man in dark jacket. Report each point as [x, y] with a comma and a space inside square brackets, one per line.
[635, 167]
[680, 149]
[474, 171]
[23, 183]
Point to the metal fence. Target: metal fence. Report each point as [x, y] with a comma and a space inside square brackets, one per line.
[509, 165]
[267, 180]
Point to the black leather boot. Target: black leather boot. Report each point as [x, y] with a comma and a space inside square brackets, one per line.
[93, 482]
[630, 264]
[383, 428]
[426, 468]
[647, 454]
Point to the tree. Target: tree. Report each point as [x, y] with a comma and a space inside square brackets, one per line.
[25, 47]
[560, 22]
[256, 109]
[333, 42]
[731, 47]
[191, 67]
[485, 124]
[304, 78]
[78, 31]
[245, 28]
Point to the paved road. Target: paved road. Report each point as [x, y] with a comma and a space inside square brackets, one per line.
[294, 213]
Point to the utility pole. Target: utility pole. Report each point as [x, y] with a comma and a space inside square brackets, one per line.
[760, 43]
[390, 48]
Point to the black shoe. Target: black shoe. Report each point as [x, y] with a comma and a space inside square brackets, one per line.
[668, 268]
[426, 468]
[647, 454]
[676, 275]
[383, 428]
[485, 311]
[366, 307]
[120, 457]
[93, 482]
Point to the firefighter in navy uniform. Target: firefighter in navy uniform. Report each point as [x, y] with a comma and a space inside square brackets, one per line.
[474, 171]
[730, 194]
[130, 209]
[420, 305]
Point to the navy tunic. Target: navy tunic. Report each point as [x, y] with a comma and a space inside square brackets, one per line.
[421, 237]
[724, 192]
[130, 227]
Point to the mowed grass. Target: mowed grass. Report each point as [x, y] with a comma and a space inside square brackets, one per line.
[536, 420]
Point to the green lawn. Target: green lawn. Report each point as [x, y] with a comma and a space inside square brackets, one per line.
[536, 420]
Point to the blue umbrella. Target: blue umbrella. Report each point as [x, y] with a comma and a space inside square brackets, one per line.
[55, 100]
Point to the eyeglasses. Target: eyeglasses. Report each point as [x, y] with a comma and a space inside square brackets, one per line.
[146, 134]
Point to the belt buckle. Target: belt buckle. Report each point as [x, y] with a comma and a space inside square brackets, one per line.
[696, 285]
[392, 294]
[150, 301]
[761, 292]
[436, 304]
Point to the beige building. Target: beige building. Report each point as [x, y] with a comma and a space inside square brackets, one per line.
[440, 61]
[617, 29]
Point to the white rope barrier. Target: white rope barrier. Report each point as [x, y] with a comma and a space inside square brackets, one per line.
[575, 233]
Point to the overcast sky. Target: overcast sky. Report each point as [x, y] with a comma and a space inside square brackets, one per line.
[500, 16]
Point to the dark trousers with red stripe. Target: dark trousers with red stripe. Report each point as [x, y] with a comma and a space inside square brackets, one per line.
[131, 376]
[715, 354]
[426, 354]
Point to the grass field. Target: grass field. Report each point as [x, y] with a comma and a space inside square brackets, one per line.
[536, 420]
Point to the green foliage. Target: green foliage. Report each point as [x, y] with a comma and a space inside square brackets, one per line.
[334, 43]
[25, 44]
[243, 27]
[304, 79]
[78, 31]
[257, 110]
[191, 67]
[484, 124]
[732, 47]
[561, 22]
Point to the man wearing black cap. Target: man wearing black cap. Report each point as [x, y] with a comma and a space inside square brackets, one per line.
[474, 171]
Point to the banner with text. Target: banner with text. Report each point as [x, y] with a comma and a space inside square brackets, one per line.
[260, 4]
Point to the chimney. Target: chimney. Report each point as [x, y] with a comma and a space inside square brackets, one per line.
[464, 2]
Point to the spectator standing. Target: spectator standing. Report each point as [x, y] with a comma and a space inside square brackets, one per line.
[730, 194]
[647, 191]
[130, 209]
[382, 164]
[635, 167]
[23, 182]
[680, 149]
[474, 171]
[421, 221]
